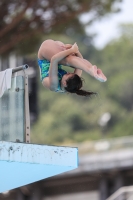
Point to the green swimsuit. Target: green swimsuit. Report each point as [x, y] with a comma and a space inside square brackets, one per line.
[44, 71]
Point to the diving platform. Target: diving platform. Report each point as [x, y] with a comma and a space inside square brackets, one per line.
[21, 162]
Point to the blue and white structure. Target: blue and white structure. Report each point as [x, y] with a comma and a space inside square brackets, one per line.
[21, 162]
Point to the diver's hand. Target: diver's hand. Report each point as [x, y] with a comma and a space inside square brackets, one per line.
[75, 48]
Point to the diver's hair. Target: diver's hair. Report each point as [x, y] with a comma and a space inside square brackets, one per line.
[74, 84]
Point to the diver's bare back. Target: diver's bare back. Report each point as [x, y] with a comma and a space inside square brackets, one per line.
[49, 48]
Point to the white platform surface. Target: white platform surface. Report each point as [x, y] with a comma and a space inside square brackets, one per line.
[21, 163]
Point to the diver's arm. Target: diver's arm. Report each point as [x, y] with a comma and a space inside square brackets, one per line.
[53, 71]
[53, 75]
[78, 71]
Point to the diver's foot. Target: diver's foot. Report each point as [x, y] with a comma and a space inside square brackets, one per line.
[98, 74]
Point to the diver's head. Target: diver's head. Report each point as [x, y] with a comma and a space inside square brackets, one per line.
[73, 84]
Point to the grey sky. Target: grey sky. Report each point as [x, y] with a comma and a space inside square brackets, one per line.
[107, 28]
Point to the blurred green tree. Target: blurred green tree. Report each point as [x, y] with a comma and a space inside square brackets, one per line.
[25, 21]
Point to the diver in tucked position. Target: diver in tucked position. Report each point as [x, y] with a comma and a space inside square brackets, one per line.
[52, 55]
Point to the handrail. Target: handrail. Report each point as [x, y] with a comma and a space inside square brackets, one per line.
[120, 191]
[23, 67]
[22, 87]
[27, 115]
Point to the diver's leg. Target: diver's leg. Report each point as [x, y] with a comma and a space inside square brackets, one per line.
[86, 66]
[49, 48]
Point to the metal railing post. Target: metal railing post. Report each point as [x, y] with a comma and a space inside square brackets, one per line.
[27, 115]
